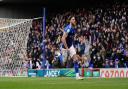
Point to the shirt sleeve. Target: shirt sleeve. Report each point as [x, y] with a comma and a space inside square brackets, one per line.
[67, 30]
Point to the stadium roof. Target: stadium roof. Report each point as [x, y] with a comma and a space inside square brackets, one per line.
[33, 8]
[57, 2]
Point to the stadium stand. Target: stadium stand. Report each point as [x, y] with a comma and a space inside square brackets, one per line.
[102, 36]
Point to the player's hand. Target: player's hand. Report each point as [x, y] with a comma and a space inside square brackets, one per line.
[67, 50]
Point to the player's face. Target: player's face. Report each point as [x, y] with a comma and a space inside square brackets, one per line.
[73, 21]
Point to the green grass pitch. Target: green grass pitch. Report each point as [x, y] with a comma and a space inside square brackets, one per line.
[63, 83]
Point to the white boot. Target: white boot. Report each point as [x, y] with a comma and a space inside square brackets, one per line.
[78, 77]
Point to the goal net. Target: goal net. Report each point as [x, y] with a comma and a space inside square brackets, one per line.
[13, 44]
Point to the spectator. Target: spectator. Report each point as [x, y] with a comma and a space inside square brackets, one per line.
[102, 36]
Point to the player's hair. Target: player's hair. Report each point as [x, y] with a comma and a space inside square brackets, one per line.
[70, 17]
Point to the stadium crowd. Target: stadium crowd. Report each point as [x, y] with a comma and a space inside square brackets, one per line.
[102, 36]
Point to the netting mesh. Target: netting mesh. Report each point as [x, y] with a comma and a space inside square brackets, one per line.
[13, 43]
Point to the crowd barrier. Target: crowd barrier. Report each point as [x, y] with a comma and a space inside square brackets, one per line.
[99, 73]
[67, 72]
